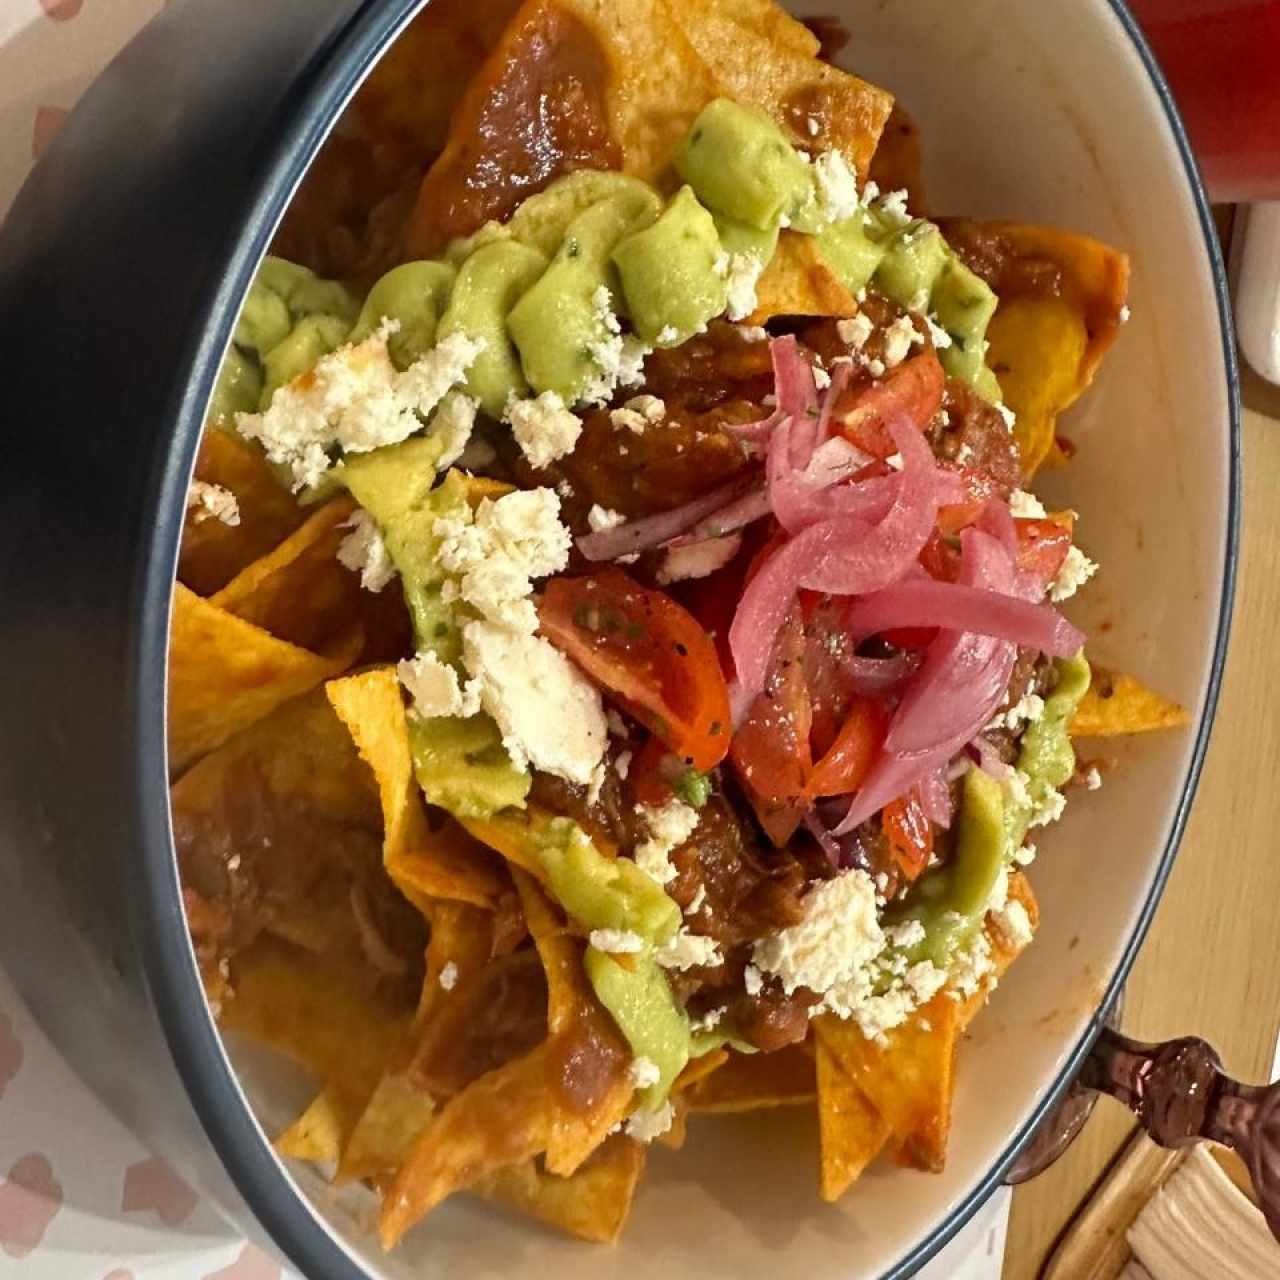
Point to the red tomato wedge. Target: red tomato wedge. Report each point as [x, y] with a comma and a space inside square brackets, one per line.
[913, 389]
[909, 832]
[844, 766]
[771, 747]
[1042, 547]
[649, 653]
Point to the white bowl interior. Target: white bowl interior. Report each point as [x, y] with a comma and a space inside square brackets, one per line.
[1040, 112]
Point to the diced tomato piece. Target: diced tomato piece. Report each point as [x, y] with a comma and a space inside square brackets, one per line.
[1042, 547]
[845, 764]
[646, 651]
[648, 778]
[770, 749]
[909, 832]
[913, 389]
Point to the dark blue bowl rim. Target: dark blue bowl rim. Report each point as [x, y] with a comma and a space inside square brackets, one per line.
[190, 1032]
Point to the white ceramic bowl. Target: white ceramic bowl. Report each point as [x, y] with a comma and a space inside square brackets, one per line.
[1046, 113]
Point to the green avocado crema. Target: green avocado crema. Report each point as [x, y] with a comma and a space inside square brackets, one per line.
[460, 764]
[543, 289]
[951, 900]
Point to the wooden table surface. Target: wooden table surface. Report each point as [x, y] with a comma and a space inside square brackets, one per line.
[1211, 963]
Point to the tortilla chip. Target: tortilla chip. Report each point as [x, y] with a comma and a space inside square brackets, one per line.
[909, 1079]
[1003, 950]
[1045, 345]
[212, 552]
[383, 1133]
[461, 936]
[851, 1131]
[798, 282]
[424, 863]
[593, 1204]
[320, 1132]
[645, 68]
[789, 87]
[225, 674]
[574, 1014]
[514, 836]
[1117, 704]
[502, 1119]
[749, 1081]
[898, 163]
[323, 1014]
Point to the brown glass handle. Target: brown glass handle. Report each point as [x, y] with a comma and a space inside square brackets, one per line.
[1181, 1095]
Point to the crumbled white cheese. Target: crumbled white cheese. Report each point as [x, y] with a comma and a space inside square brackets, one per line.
[549, 713]
[211, 501]
[752, 332]
[745, 270]
[821, 378]
[964, 454]
[835, 942]
[355, 399]
[1018, 785]
[1013, 925]
[999, 890]
[1025, 856]
[896, 461]
[364, 552]
[644, 1072]
[855, 331]
[645, 1126]
[894, 207]
[877, 1014]
[453, 422]
[970, 967]
[619, 357]
[870, 193]
[1010, 418]
[1076, 570]
[543, 428]
[708, 1021]
[837, 187]
[651, 408]
[617, 725]
[449, 976]
[697, 902]
[1026, 506]
[688, 951]
[435, 689]
[1125, 313]
[905, 936]
[940, 338]
[602, 518]
[622, 764]
[720, 266]
[596, 785]
[698, 559]
[752, 980]
[876, 368]
[814, 125]
[898, 340]
[1092, 778]
[1028, 708]
[669, 826]
[1049, 809]
[667, 335]
[616, 941]
[525, 525]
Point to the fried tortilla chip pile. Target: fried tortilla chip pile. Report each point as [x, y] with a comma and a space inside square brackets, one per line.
[418, 967]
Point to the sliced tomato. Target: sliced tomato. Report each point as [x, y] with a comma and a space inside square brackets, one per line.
[770, 749]
[650, 654]
[843, 767]
[909, 833]
[913, 389]
[1042, 547]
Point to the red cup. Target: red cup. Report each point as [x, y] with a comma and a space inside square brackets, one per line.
[1222, 59]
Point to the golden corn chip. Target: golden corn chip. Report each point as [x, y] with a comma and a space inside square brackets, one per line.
[1117, 703]
[851, 1132]
[766, 19]
[792, 88]
[898, 163]
[799, 282]
[644, 69]
[424, 863]
[514, 836]
[324, 1014]
[320, 1132]
[574, 1016]
[695, 1070]
[749, 1081]
[909, 1079]
[212, 552]
[461, 936]
[592, 1204]
[383, 1133]
[502, 1119]
[225, 673]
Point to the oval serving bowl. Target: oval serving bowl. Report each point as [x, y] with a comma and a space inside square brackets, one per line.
[121, 270]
